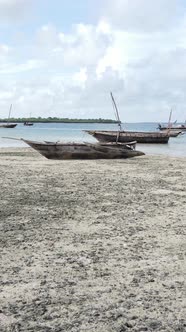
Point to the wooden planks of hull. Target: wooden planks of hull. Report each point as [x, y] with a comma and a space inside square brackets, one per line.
[126, 136]
[82, 150]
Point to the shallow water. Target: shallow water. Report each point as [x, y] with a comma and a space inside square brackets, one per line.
[75, 132]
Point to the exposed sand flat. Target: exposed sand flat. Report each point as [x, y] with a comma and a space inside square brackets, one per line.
[92, 246]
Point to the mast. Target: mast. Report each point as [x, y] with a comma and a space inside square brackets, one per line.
[9, 113]
[169, 123]
[116, 111]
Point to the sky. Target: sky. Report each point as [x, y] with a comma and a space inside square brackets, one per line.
[62, 58]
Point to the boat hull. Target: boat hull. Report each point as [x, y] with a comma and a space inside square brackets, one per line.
[62, 151]
[178, 128]
[12, 125]
[172, 133]
[127, 136]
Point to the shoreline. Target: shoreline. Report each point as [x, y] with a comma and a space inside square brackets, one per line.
[92, 245]
[86, 121]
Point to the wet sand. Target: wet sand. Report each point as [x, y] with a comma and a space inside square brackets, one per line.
[92, 246]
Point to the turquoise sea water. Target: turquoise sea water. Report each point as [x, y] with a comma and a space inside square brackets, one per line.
[74, 132]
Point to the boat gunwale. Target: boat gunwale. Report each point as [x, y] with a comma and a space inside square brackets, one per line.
[127, 133]
[80, 144]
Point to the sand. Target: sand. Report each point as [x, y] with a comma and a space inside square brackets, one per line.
[92, 246]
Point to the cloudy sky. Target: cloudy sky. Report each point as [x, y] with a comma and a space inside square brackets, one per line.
[63, 57]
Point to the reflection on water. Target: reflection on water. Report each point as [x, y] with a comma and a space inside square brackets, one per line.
[75, 132]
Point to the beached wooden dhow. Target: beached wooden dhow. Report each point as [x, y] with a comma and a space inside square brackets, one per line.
[60, 150]
[57, 150]
[127, 136]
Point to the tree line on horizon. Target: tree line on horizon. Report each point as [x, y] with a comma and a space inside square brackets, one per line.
[56, 119]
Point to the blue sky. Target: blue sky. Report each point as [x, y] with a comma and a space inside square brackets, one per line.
[63, 14]
[68, 55]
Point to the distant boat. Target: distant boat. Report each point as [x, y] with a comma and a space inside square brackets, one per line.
[181, 127]
[172, 127]
[8, 125]
[27, 123]
[62, 151]
[123, 136]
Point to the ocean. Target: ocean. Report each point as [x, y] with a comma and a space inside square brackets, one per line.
[74, 132]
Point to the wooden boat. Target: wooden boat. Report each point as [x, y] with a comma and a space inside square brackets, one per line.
[8, 125]
[172, 127]
[179, 128]
[52, 150]
[61, 151]
[172, 132]
[127, 136]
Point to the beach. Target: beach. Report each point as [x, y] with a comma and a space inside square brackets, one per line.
[92, 245]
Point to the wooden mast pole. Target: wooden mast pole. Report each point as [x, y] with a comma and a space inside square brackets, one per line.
[9, 113]
[169, 123]
[116, 110]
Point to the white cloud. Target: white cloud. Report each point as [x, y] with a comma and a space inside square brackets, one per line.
[71, 74]
[82, 47]
[80, 77]
[12, 68]
[144, 15]
[11, 10]
[4, 49]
